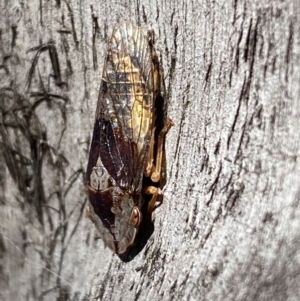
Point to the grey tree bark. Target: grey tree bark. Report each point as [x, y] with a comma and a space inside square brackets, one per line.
[228, 228]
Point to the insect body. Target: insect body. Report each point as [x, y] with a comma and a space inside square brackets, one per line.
[124, 144]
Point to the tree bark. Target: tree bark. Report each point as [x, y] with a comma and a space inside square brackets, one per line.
[228, 228]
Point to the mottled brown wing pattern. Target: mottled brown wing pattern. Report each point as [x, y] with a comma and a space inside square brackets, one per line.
[128, 101]
[122, 132]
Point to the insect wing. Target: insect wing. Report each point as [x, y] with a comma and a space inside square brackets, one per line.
[121, 138]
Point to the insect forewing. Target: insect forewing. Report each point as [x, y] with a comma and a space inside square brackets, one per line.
[121, 138]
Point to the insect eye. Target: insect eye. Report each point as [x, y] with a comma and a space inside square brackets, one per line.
[135, 217]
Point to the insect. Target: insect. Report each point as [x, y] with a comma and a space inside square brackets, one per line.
[125, 148]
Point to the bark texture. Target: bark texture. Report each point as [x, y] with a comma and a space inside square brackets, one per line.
[229, 225]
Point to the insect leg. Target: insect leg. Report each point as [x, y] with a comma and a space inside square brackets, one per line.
[155, 193]
[149, 163]
[155, 176]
